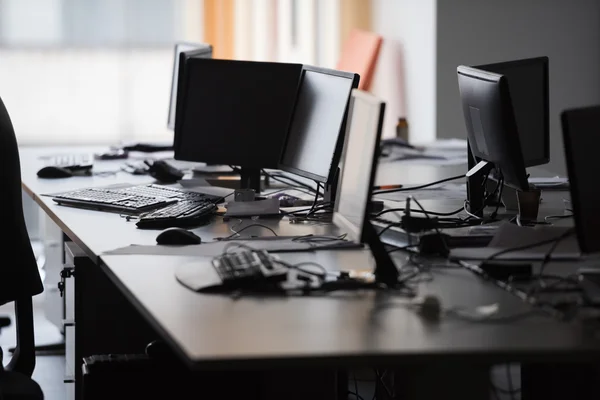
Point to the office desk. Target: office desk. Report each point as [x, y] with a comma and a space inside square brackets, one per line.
[212, 332]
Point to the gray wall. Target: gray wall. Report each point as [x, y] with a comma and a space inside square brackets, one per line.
[483, 31]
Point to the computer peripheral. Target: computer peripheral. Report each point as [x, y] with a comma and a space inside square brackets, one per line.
[130, 199]
[54, 172]
[491, 126]
[163, 172]
[183, 52]
[248, 269]
[316, 135]
[506, 110]
[72, 162]
[181, 214]
[233, 112]
[581, 147]
[177, 236]
[528, 84]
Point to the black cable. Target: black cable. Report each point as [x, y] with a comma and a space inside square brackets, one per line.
[383, 384]
[404, 248]
[316, 201]
[441, 214]
[358, 397]
[437, 230]
[278, 177]
[511, 387]
[498, 189]
[404, 189]
[524, 247]
[548, 254]
[246, 227]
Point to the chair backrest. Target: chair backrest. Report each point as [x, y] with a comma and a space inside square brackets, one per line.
[19, 274]
[359, 55]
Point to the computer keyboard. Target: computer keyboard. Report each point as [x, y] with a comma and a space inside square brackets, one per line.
[183, 213]
[110, 200]
[132, 199]
[248, 268]
[72, 162]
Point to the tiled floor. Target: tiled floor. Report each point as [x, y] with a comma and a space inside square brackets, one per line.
[49, 370]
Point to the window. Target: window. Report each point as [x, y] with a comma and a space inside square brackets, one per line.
[91, 71]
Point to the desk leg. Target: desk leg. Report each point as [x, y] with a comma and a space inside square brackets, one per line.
[560, 381]
[436, 381]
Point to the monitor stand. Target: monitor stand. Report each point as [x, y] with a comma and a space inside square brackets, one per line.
[330, 191]
[250, 178]
[478, 170]
[385, 268]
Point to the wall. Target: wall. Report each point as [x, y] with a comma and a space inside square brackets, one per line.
[405, 74]
[477, 32]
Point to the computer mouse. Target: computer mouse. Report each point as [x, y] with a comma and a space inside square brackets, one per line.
[52, 172]
[163, 172]
[177, 236]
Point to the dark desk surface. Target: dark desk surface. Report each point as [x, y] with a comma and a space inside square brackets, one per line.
[220, 332]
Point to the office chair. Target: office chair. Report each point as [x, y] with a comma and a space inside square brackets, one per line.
[19, 279]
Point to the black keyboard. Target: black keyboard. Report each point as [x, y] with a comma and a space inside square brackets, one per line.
[132, 199]
[248, 268]
[181, 214]
[110, 200]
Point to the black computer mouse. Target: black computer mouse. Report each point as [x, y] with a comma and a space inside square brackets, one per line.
[163, 172]
[178, 236]
[52, 172]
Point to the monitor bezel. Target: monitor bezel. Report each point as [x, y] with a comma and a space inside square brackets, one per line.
[545, 61]
[200, 49]
[337, 154]
[339, 219]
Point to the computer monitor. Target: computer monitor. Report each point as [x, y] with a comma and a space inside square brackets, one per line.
[236, 113]
[191, 50]
[528, 85]
[360, 157]
[316, 136]
[581, 128]
[359, 168]
[491, 125]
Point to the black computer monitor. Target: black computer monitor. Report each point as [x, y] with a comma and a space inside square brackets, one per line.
[359, 164]
[236, 113]
[316, 136]
[190, 50]
[528, 85]
[359, 169]
[491, 125]
[581, 128]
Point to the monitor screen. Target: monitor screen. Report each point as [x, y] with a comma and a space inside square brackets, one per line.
[235, 112]
[315, 138]
[359, 163]
[206, 51]
[581, 128]
[528, 86]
